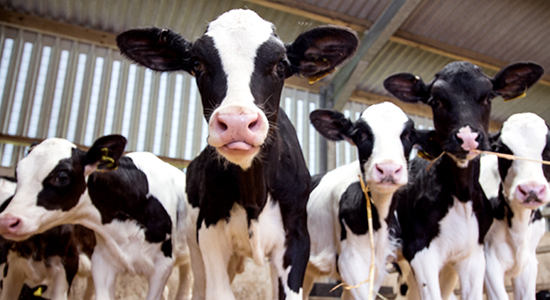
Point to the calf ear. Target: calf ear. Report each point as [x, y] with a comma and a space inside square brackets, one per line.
[105, 153]
[155, 48]
[317, 52]
[493, 140]
[332, 124]
[514, 80]
[407, 87]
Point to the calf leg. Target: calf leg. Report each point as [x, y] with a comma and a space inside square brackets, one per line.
[525, 285]
[216, 252]
[470, 272]
[104, 275]
[426, 265]
[354, 266]
[157, 280]
[494, 279]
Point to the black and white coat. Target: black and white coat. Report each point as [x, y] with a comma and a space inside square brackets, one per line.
[249, 188]
[337, 214]
[443, 212]
[135, 204]
[517, 189]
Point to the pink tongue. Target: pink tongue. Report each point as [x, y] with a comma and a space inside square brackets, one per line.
[239, 146]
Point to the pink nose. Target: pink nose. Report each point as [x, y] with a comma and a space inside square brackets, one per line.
[468, 138]
[387, 172]
[9, 224]
[236, 128]
[529, 192]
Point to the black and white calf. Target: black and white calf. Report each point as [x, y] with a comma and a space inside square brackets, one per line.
[337, 215]
[517, 188]
[443, 212]
[45, 264]
[135, 204]
[249, 188]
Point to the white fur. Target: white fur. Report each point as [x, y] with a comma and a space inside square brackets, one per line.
[511, 251]
[222, 242]
[458, 227]
[121, 246]
[387, 122]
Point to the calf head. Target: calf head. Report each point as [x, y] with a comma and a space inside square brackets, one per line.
[524, 183]
[460, 96]
[240, 66]
[384, 136]
[51, 181]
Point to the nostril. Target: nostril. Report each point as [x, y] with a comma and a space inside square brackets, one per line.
[398, 170]
[252, 125]
[380, 170]
[522, 191]
[15, 224]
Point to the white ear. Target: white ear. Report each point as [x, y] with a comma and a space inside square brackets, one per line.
[89, 169]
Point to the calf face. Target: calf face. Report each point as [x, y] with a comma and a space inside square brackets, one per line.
[240, 66]
[525, 183]
[384, 136]
[460, 96]
[51, 180]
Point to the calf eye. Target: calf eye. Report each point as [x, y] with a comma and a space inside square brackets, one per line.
[196, 66]
[61, 179]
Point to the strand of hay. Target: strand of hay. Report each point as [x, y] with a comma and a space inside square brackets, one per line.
[511, 157]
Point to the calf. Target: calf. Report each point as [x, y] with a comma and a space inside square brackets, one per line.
[249, 188]
[337, 215]
[443, 212]
[47, 261]
[135, 204]
[517, 188]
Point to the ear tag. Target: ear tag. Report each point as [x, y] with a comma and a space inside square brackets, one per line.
[424, 155]
[38, 292]
[315, 78]
[106, 163]
[520, 96]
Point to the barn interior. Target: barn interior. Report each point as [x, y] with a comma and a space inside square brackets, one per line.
[61, 73]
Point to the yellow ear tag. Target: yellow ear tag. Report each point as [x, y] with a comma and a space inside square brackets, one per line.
[424, 155]
[38, 292]
[315, 78]
[106, 163]
[520, 96]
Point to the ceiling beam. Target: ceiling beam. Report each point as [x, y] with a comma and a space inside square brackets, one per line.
[321, 14]
[47, 26]
[346, 80]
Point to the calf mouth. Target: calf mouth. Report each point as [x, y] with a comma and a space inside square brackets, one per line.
[532, 202]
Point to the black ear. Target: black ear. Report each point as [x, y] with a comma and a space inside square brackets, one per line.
[407, 87]
[317, 52]
[106, 151]
[546, 156]
[155, 48]
[493, 140]
[331, 124]
[514, 80]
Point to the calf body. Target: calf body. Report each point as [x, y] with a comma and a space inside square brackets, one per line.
[337, 214]
[249, 188]
[443, 212]
[48, 261]
[136, 205]
[517, 188]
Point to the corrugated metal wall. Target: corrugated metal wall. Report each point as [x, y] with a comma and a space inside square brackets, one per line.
[53, 87]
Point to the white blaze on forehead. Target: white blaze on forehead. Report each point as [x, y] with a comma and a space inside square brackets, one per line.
[387, 122]
[42, 160]
[525, 134]
[237, 35]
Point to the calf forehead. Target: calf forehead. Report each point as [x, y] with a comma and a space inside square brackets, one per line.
[525, 135]
[386, 120]
[43, 159]
[237, 35]
[461, 78]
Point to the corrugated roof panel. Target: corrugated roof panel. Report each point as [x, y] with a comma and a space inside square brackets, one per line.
[493, 28]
